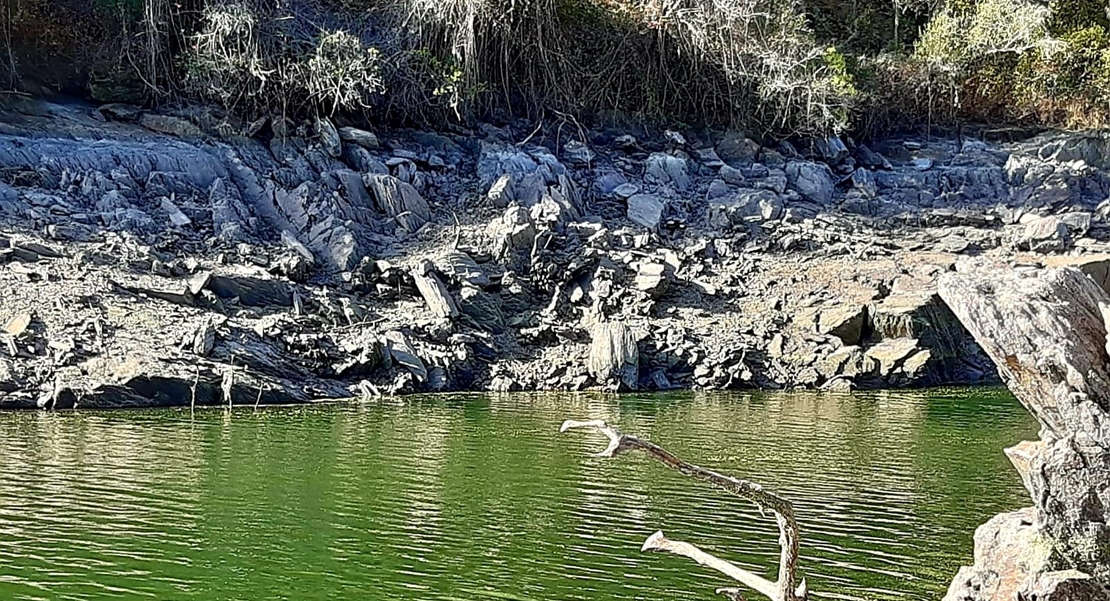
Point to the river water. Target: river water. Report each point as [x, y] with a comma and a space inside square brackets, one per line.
[475, 497]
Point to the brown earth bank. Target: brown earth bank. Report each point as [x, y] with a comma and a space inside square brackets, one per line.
[155, 259]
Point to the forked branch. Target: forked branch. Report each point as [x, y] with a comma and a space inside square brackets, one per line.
[782, 590]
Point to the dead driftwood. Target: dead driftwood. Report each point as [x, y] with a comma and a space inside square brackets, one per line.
[1046, 330]
[784, 588]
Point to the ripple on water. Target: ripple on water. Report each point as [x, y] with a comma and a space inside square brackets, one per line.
[478, 498]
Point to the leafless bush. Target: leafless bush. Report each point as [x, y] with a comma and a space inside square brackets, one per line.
[341, 72]
[754, 61]
[247, 56]
[226, 62]
[769, 46]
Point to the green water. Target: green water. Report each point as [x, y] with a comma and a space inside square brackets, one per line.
[479, 498]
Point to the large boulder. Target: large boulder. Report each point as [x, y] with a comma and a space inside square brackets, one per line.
[814, 181]
[1044, 234]
[614, 360]
[735, 147]
[1046, 331]
[846, 322]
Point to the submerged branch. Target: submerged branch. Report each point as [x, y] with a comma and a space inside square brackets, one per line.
[782, 590]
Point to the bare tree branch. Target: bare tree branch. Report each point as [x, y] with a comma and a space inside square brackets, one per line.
[782, 590]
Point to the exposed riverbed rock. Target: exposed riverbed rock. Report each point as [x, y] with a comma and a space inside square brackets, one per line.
[614, 359]
[814, 181]
[398, 200]
[485, 255]
[645, 210]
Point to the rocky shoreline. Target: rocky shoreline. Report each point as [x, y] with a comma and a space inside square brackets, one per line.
[175, 259]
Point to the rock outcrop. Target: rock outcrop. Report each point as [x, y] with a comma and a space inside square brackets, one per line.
[319, 260]
[1047, 331]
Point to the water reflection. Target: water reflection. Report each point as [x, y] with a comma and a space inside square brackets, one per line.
[478, 497]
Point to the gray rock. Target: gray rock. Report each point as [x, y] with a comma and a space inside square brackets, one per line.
[1013, 561]
[435, 293]
[921, 314]
[614, 360]
[709, 158]
[626, 191]
[250, 289]
[1065, 585]
[396, 344]
[398, 200]
[1092, 149]
[177, 218]
[329, 137]
[9, 199]
[229, 214]
[916, 366]
[864, 181]
[645, 210]
[626, 142]
[578, 153]
[461, 269]
[554, 209]
[773, 159]
[338, 246]
[1077, 222]
[892, 354]
[170, 125]
[831, 149]
[607, 183]
[292, 243]
[736, 147]
[871, 159]
[666, 169]
[744, 206]
[352, 188]
[718, 188]
[512, 234]
[847, 361]
[359, 137]
[483, 307]
[358, 158]
[846, 322]
[732, 175]
[775, 181]
[501, 193]
[814, 181]
[651, 277]
[1044, 234]
[132, 220]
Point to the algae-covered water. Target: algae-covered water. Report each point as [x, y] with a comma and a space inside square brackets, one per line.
[477, 497]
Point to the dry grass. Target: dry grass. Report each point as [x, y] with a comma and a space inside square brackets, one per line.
[755, 64]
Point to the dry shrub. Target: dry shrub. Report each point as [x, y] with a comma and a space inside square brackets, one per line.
[768, 47]
[251, 57]
[749, 61]
[340, 73]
